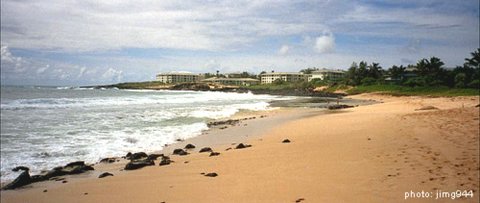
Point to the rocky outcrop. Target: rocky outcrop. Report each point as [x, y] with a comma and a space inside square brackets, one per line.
[339, 106]
[191, 86]
[225, 122]
[24, 178]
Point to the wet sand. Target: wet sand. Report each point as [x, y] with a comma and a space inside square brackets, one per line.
[373, 153]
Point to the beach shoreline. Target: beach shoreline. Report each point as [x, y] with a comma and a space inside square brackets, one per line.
[388, 159]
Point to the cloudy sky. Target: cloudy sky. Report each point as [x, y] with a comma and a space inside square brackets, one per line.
[99, 42]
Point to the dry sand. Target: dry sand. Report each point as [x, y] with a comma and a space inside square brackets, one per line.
[370, 153]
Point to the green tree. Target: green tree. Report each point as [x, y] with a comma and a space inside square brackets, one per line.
[375, 71]
[431, 71]
[475, 60]
[308, 70]
[460, 80]
[396, 72]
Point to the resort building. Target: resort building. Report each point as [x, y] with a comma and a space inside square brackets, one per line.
[233, 81]
[267, 78]
[327, 74]
[178, 77]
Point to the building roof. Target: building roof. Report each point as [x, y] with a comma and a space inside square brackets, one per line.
[176, 73]
[282, 73]
[230, 79]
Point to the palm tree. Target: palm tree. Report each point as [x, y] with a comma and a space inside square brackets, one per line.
[475, 60]
[397, 72]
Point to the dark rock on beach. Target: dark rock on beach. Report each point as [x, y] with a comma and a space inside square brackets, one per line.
[108, 160]
[138, 155]
[190, 146]
[211, 175]
[154, 156]
[205, 149]
[226, 122]
[191, 86]
[21, 168]
[214, 153]
[242, 146]
[180, 152]
[165, 161]
[286, 141]
[24, 178]
[21, 180]
[339, 106]
[139, 163]
[76, 168]
[103, 175]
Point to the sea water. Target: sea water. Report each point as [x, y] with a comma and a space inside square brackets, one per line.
[45, 127]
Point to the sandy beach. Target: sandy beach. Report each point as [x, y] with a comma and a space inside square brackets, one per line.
[371, 153]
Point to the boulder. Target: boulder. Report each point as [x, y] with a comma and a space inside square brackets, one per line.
[139, 163]
[241, 146]
[21, 168]
[128, 155]
[286, 141]
[189, 146]
[211, 175]
[103, 175]
[21, 180]
[154, 156]
[165, 162]
[76, 168]
[205, 149]
[214, 153]
[108, 160]
[180, 152]
[24, 178]
[138, 155]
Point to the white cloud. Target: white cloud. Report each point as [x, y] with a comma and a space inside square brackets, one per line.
[92, 25]
[325, 43]
[283, 50]
[43, 69]
[112, 75]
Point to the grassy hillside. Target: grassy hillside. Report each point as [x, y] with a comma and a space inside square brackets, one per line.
[414, 91]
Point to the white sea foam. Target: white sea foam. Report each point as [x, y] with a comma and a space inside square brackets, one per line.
[45, 128]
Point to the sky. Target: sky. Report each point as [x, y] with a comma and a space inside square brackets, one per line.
[90, 42]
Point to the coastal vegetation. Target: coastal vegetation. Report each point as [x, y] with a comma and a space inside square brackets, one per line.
[426, 77]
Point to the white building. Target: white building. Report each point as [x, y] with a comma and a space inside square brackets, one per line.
[327, 74]
[178, 77]
[267, 78]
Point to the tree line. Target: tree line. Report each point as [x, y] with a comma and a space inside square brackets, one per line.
[427, 72]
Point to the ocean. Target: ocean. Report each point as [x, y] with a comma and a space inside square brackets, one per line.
[45, 127]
